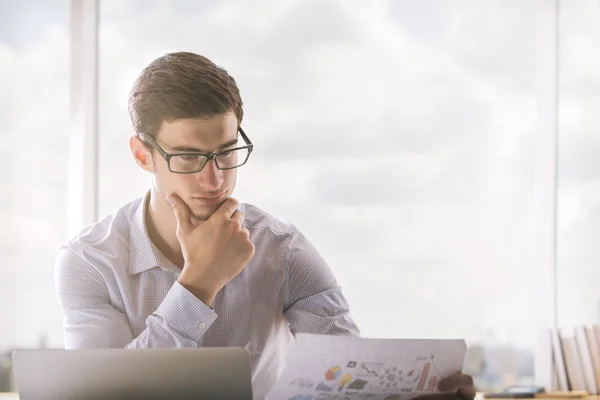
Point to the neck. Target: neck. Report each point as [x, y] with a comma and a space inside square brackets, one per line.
[162, 225]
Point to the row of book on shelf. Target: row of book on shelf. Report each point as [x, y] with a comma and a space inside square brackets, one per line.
[576, 358]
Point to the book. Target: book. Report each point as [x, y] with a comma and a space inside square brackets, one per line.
[585, 359]
[594, 352]
[572, 361]
[559, 361]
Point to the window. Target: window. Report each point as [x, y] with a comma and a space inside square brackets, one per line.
[398, 136]
[579, 173]
[34, 101]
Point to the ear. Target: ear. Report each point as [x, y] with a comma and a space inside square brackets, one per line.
[141, 154]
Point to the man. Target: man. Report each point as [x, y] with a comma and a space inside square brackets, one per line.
[187, 265]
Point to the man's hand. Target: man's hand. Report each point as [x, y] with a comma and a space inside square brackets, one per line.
[215, 251]
[459, 386]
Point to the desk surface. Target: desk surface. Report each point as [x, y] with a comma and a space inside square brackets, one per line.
[15, 396]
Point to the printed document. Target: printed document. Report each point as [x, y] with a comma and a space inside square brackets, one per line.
[322, 367]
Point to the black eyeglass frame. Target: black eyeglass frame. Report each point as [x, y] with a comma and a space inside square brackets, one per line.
[208, 156]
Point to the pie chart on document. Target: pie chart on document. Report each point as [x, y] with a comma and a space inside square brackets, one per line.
[333, 373]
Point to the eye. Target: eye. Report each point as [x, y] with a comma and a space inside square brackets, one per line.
[189, 157]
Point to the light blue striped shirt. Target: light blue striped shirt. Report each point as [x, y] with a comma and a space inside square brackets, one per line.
[116, 289]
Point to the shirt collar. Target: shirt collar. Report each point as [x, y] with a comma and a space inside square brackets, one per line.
[141, 256]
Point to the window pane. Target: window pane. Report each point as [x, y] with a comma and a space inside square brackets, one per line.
[34, 108]
[579, 173]
[398, 136]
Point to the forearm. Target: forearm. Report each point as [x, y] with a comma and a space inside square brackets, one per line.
[324, 313]
[180, 321]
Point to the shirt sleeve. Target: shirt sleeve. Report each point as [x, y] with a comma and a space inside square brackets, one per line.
[314, 301]
[91, 321]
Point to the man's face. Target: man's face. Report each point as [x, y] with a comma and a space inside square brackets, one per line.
[203, 191]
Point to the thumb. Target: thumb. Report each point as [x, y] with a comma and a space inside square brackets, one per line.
[181, 211]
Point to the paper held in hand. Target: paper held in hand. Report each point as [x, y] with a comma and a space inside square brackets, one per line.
[346, 368]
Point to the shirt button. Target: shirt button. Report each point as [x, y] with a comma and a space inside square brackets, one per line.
[202, 325]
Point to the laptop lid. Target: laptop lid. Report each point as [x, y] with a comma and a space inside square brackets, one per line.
[198, 373]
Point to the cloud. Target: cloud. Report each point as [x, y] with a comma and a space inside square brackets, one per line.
[306, 25]
[22, 24]
[486, 36]
[392, 132]
[578, 155]
[368, 186]
[410, 17]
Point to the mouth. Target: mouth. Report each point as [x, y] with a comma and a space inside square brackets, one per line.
[210, 199]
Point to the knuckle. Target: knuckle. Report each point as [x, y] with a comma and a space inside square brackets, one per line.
[222, 218]
[233, 225]
[233, 202]
[249, 248]
[469, 380]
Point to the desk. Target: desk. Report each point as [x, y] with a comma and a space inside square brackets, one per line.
[590, 397]
[15, 396]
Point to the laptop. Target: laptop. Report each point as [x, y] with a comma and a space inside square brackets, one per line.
[155, 374]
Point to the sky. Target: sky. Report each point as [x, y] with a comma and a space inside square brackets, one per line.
[399, 136]
[34, 109]
[403, 153]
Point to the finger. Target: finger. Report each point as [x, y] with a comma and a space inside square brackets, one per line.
[437, 396]
[459, 394]
[181, 211]
[245, 230]
[455, 382]
[238, 217]
[228, 207]
[466, 393]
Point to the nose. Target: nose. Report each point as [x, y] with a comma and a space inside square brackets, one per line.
[210, 176]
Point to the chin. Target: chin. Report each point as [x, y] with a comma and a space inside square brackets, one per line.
[202, 209]
[204, 213]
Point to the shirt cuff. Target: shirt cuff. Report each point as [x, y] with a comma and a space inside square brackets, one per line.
[185, 312]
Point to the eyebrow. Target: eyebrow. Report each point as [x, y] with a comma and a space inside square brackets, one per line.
[197, 150]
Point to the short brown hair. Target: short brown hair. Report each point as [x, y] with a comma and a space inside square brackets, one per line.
[181, 85]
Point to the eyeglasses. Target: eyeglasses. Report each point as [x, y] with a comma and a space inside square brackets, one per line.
[190, 163]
